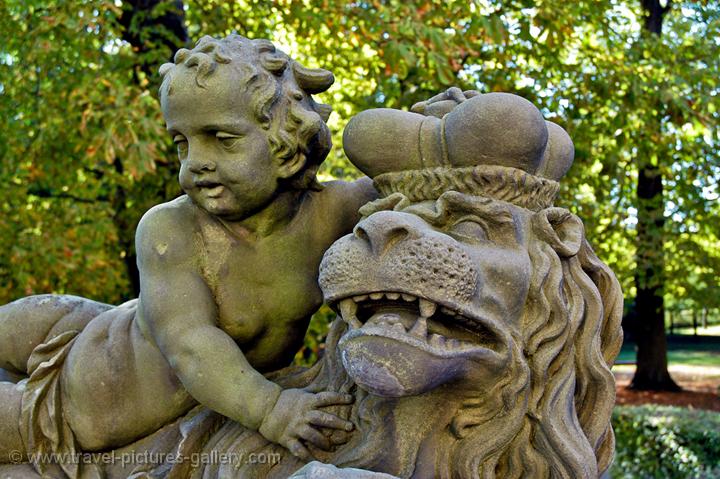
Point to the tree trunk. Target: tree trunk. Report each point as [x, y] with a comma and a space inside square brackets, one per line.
[155, 38]
[652, 371]
[156, 29]
[704, 318]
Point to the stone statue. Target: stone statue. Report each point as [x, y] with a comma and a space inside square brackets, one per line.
[228, 275]
[476, 325]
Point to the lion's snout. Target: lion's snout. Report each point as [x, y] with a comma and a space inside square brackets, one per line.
[394, 251]
[385, 229]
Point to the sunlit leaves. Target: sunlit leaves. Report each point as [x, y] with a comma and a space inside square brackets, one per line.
[81, 118]
[83, 140]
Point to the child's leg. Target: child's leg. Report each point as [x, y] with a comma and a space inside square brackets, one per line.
[12, 449]
[28, 322]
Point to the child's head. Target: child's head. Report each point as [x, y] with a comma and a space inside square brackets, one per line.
[280, 90]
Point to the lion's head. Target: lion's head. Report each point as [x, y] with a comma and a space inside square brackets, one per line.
[499, 315]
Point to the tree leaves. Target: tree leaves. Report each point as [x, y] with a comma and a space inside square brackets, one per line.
[81, 113]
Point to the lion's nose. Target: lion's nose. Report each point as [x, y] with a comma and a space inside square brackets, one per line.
[385, 229]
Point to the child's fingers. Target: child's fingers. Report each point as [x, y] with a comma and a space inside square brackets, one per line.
[325, 419]
[298, 450]
[330, 398]
[337, 438]
[315, 438]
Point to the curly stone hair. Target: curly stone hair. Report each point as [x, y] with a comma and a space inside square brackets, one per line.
[281, 92]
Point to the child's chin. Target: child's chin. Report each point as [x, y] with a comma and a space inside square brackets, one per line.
[221, 211]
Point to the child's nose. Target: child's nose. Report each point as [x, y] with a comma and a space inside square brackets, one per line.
[199, 161]
[201, 165]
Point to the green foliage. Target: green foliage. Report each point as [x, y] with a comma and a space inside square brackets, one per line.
[666, 442]
[315, 338]
[81, 147]
[83, 151]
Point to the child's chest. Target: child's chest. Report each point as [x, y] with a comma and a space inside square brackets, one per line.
[259, 289]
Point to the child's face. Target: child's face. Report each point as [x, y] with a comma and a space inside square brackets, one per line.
[226, 166]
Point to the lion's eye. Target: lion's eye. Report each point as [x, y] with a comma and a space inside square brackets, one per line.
[227, 140]
[468, 230]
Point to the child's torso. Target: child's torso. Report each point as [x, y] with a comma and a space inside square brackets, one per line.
[118, 386]
[265, 289]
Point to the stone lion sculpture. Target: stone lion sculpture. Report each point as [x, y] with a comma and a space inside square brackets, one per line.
[475, 307]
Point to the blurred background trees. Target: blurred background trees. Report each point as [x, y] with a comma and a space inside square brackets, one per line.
[83, 150]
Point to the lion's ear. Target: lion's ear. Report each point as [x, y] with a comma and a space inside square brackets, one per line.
[560, 229]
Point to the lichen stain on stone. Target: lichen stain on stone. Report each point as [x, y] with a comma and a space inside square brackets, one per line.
[161, 248]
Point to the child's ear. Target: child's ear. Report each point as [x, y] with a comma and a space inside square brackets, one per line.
[560, 229]
[291, 166]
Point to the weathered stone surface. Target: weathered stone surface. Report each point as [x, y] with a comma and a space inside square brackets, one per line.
[477, 329]
[476, 325]
[480, 322]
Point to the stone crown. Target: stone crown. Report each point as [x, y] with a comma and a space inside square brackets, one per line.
[494, 144]
[497, 129]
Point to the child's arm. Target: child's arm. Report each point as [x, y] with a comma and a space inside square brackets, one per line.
[181, 313]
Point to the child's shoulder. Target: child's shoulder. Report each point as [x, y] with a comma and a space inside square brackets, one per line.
[336, 205]
[172, 221]
[348, 196]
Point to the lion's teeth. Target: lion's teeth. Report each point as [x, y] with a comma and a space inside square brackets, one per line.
[437, 340]
[453, 343]
[393, 296]
[399, 328]
[360, 297]
[419, 329]
[427, 308]
[348, 309]
[408, 297]
[376, 296]
[448, 311]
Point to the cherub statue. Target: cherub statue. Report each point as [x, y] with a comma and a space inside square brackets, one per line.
[228, 274]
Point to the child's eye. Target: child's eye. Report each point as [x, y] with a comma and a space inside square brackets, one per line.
[227, 140]
[181, 143]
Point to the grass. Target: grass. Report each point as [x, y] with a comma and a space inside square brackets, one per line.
[684, 350]
[713, 330]
[677, 356]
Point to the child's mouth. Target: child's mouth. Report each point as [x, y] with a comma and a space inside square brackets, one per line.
[211, 189]
[215, 191]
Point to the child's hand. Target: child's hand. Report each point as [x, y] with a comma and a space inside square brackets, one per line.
[295, 418]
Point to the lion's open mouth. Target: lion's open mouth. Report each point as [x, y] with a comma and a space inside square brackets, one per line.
[421, 322]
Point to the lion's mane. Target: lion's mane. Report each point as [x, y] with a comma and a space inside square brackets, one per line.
[558, 425]
[549, 414]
